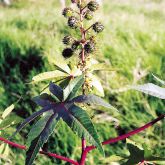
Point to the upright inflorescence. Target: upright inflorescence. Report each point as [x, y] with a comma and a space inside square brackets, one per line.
[86, 45]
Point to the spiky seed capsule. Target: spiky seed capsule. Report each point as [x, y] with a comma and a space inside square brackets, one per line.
[67, 52]
[88, 15]
[89, 47]
[67, 40]
[67, 12]
[98, 27]
[75, 45]
[93, 5]
[73, 22]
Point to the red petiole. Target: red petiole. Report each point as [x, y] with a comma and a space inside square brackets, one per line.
[85, 150]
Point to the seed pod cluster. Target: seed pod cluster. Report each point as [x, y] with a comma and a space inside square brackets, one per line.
[74, 45]
[92, 6]
[88, 43]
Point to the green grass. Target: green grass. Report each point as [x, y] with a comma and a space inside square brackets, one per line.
[30, 38]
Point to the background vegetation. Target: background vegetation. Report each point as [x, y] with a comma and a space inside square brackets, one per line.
[133, 42]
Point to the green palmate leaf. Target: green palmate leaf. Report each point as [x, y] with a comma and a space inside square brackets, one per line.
[74, 116]
[92, 99]
[31, 118]
[38, 127]
[78, 120]
[74, 85]
[158, 79]
[48, 76]
[97, 86]
[56, 91]
[151, 89]
[39, 141]
[7, 111]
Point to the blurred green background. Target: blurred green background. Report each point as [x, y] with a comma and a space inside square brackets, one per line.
[133, 42]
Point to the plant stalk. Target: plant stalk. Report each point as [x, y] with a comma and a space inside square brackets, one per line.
[89, 148]
[41, 152]
[122, 137]
[83, 38]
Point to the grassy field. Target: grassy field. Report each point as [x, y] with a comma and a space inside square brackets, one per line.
[133, 42]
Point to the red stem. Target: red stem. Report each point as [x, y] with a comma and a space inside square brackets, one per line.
[59, 157]
[122, 137]
[41, 152]
[89, 148]
[13, 144]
